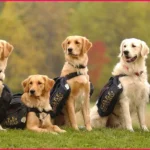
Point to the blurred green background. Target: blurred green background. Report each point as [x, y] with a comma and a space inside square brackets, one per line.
[37, 29]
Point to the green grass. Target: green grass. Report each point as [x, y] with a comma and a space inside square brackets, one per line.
[102, 138]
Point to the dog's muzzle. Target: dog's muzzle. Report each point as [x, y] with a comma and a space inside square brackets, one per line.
[70, 52]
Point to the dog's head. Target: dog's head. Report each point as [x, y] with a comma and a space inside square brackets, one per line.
[37, 85]
[133, 49]
[75, 46]
[5, 49]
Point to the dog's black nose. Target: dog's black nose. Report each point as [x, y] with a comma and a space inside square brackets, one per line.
[69, 50]
[126, 52]
[32, 92]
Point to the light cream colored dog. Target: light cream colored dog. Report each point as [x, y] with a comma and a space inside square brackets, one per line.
[5, 51]
[36, 95]
[135, 95]
[75, 49]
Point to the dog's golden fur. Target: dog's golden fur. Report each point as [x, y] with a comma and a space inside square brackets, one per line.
[5, 51]
[36, 95]
[133, 53]
[75, 49]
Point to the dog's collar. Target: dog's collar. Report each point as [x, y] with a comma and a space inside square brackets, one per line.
[80, 66]
[136, 73]
[72, 75]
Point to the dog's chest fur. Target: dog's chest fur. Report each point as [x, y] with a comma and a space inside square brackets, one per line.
[135, 88]
[42, 103]
[79, 90]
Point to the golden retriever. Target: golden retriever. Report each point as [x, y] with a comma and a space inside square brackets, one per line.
[135, 95]
[5, 51]
[75, 49]
[36, 95]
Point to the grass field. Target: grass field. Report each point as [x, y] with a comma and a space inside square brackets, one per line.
[102, 138]
[97, 138]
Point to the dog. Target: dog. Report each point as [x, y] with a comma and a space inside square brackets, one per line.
[36, 95]
[135, 95]
[5, 51]
[76, 60]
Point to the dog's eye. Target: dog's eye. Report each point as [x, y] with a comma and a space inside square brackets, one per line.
[68, 42]
[76, 42]
[133, 45]
[125, 46]
[39, 83]
[30, 83]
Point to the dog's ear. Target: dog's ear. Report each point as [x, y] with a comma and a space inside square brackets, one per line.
[25, 85]
[48, 83]
[8, 48]
[144, 50]
[64, 44]
[86, 44]
[121, 49]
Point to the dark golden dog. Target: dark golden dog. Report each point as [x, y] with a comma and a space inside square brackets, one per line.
[36, 95]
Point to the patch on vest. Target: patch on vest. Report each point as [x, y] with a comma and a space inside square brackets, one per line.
[23, 119]
[106, 101]
[67, 86]
[56, 100]
[11, 121]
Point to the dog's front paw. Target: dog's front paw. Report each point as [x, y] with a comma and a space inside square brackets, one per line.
[63, 131]
[130, 129]
[144, 128]
[75, 127]
[89, 128]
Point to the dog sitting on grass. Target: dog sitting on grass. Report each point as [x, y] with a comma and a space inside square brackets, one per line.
[76, 60]
[36, 97]
[135, 95]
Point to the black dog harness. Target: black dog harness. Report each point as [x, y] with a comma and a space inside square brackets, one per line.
[37, 112]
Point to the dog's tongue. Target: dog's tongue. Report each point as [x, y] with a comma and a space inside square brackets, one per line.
[131, 59]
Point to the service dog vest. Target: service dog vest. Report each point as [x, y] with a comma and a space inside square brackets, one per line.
[109, 96]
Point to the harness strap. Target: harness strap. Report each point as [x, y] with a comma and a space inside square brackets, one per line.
[37, 112]
[72, 75]
[121, 75]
